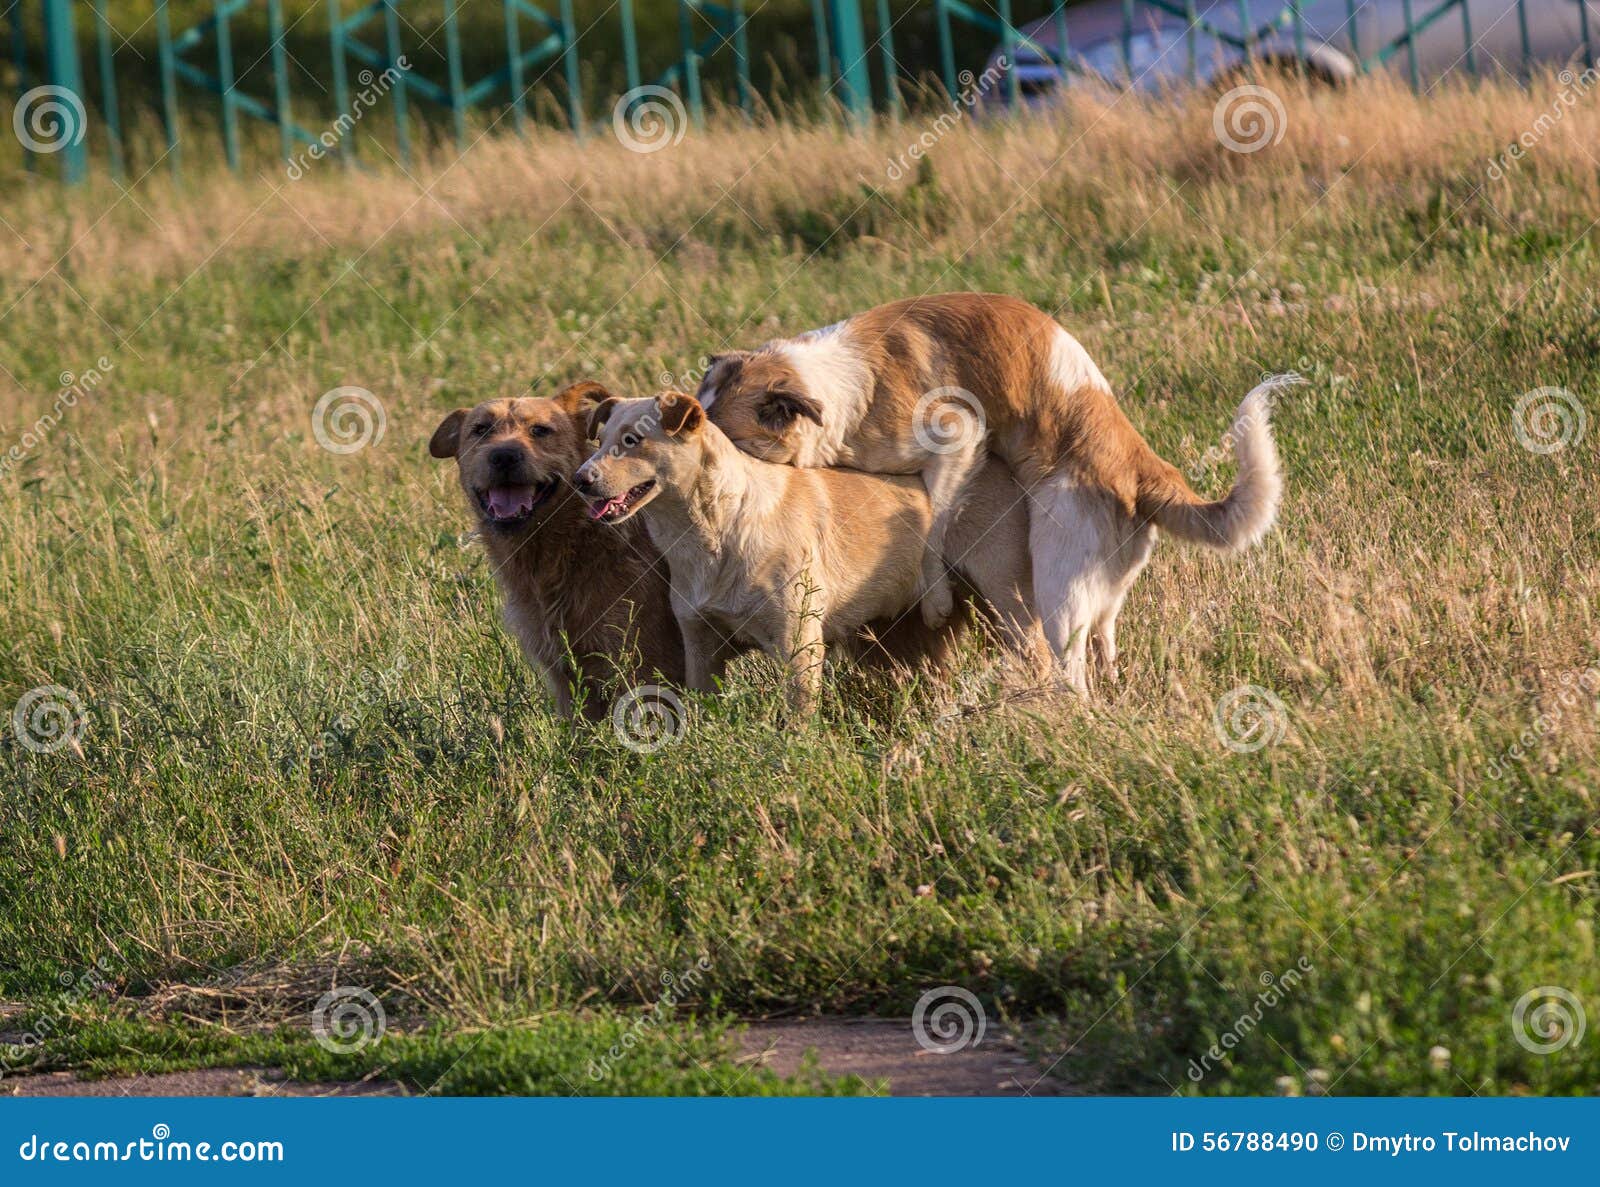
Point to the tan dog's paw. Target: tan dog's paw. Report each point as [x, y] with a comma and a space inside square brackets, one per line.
[938, 603]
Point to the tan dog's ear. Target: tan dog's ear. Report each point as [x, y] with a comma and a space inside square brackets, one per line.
[601, 414]
[446, 439]
[680, 413]
[586, 391]
[781, 407]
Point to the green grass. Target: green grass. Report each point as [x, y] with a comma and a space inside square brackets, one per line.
[308, 733]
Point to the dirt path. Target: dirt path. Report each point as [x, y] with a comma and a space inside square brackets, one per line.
[873, 1048]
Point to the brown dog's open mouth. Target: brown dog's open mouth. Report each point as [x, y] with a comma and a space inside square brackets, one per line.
[613, 509]
[507, 506]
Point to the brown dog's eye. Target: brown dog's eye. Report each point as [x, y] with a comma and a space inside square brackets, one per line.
[540, 430]
[480, 430]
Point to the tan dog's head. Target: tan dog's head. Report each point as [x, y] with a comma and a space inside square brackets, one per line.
[513, 455]
[758, 400]
[644, 448]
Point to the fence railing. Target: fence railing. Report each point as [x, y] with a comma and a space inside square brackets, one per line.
[538, 54]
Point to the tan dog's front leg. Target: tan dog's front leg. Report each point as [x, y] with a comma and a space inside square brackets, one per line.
[805, 657]
[945, 476]
[704, 656]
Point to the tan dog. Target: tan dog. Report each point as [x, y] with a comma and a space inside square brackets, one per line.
[789, 559]
[587, 604]
[928, 385]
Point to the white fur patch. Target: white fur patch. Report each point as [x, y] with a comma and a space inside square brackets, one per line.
[1071, 368]
[835, 375]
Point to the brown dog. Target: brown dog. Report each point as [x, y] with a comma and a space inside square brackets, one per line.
[791, 560]
[588, 604]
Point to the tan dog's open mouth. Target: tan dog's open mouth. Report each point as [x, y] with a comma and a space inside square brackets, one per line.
[508, 506]
[621, 506]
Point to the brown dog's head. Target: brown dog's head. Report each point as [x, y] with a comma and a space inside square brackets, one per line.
[642, 450]
[759, 400]
[513, 455]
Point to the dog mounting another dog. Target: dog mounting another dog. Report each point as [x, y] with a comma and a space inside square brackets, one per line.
[729, 521]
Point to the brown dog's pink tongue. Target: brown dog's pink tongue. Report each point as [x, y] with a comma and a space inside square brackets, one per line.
[506, 501]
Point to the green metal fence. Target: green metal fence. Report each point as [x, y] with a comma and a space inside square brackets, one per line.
[538, 53]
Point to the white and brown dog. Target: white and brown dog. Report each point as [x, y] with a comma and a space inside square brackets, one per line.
[930, 385]
[792, 560]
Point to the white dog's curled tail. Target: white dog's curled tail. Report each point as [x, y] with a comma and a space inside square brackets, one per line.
[1247, 512]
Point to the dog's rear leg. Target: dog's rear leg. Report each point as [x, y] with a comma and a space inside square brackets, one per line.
[1067, 533]
[945, 476]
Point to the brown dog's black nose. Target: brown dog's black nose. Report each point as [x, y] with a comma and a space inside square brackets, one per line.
[584, 480]
[505, 458]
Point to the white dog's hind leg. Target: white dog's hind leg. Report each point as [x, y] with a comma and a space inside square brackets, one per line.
[1068, 532]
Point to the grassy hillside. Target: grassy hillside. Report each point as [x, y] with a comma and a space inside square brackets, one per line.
[306, 741]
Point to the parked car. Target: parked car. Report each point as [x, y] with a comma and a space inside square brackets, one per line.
[1151, 47]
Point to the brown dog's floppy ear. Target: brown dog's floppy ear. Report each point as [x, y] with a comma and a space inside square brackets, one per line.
[599, 416]
[781, 407]
[586, 391]
[680, 413]
[447, 437]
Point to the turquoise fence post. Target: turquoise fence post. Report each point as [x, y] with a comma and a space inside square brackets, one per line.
[1522, 27]
[1355, 33]
[1299, 20]
[947, 50]
[452, 49]
[1247, 30]
[1583, 25]
[230, 114]
[1411, 46]
[891, 67]
[280, 79]
[850, 47]
[1008, 50]
[19, 61]
[1127, 36]
[569, 61]
[691, 63]
[1192, 18]
[341, 81]
[108, 89]
[519, 99]
[819, 23]
[169, 84]
[64, 71]
[630, 45]
[1063, 46]
[391, 42]
[741, 56]
[1466, 31]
